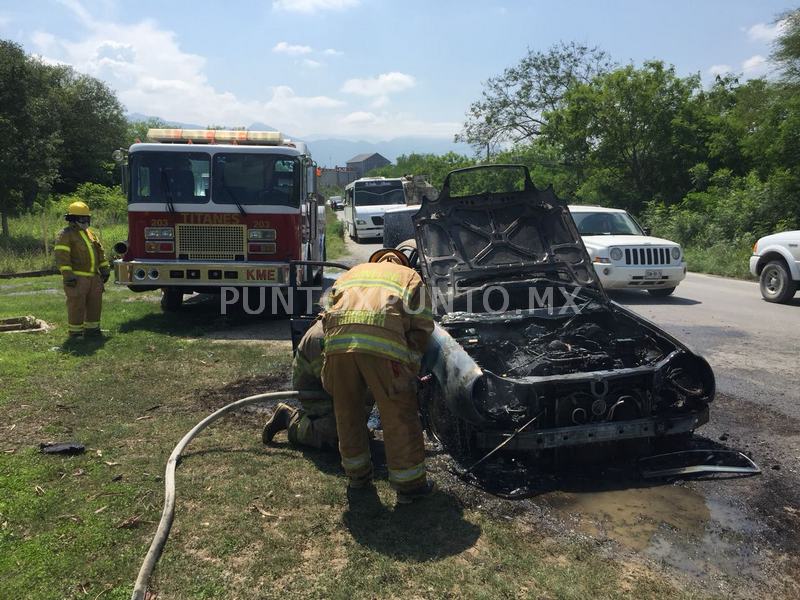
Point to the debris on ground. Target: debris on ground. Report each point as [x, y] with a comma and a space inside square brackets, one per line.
[69, 448]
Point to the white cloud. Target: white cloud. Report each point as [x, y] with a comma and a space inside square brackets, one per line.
[715, 70]
[313, 6]
[382, 85]
[360, 118]
[312, 64]
[766, 32]
[290, 49]
[755, 66]
[385, 125]
[332, 52]
[151, 74]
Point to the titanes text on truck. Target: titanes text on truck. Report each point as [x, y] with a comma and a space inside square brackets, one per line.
[209, 209]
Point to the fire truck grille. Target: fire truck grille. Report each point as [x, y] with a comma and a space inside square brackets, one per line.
[211, 242]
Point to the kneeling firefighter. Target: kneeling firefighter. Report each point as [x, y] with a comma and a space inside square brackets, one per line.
[84, 269]
[314, 424]
[377, 326]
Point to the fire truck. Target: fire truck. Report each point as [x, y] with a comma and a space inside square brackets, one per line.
[209, 209]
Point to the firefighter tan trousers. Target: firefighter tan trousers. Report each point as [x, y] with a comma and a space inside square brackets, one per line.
[393, 385]
[84, 303]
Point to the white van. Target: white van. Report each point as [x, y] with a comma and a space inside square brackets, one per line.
[365, 202]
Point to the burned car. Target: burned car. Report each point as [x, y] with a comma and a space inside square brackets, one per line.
[528, 351]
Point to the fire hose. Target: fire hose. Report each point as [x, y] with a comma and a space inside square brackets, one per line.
[168, 513]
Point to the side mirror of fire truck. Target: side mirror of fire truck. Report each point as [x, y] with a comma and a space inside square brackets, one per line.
[311, 178]
[120, 157]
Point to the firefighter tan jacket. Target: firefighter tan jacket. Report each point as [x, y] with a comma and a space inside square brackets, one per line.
[381, 309]
[79, 251]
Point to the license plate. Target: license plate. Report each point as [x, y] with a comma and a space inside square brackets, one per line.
[652, 274]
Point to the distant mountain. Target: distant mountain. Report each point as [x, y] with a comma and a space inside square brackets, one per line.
[331, 152]
[140, 117]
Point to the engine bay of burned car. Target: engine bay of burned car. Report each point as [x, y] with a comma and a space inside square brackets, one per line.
[528, 351]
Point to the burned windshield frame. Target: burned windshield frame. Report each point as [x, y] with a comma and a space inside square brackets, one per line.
[255, 179]
[187, 175]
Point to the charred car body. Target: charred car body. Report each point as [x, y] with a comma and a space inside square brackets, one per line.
[527, 344]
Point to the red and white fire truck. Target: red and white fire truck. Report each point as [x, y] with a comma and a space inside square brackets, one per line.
[209, 209]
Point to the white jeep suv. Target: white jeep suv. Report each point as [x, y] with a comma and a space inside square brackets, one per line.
[776, 262]
[624, 256]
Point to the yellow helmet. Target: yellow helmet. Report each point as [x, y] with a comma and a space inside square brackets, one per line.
[389, 255]
[79, 209]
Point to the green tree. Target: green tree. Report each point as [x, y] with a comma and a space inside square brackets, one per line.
[29, 130]
[92, 125]
[787, 46]
[513, 104]
[137, 130]
[433, 166]
[631, 135]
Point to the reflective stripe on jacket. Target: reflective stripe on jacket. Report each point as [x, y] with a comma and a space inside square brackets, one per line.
[381, 309]
[79, 251]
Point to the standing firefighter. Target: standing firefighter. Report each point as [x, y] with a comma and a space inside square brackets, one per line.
[377, 326]
[83, 265]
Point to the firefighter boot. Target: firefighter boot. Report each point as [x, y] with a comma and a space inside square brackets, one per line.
[409, 496]
[279, 422]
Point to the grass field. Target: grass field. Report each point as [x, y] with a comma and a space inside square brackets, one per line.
[24, 250]
[334, 235]
[251, 522]
[725, 259]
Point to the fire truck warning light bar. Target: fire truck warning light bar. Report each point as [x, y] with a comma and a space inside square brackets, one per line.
[217, 136]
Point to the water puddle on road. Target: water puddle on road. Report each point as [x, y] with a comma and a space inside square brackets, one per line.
[674, 524]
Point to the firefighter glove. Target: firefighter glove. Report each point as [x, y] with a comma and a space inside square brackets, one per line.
[70, 280]
[105, 274]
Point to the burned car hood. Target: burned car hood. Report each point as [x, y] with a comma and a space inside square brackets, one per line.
[470, 241]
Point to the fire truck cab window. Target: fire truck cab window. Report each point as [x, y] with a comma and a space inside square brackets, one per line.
[256, 179]
[177, 177]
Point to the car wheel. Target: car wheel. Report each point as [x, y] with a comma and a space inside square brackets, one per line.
[776, 282]
[356, 237]
[661, 292]
[171, 299]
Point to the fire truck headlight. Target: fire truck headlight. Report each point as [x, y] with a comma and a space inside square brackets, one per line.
[261, 235]
[159, 233]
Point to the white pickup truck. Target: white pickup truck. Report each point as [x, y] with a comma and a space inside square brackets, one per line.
[776, 263]
[624, 256]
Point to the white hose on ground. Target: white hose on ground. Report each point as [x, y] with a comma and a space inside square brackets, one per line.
[157, 545]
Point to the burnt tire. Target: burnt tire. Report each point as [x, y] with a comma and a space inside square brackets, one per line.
[171, 299]
[661, 292]
[453, 434]
[776, 282]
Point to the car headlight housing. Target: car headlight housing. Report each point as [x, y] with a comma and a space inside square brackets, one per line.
[261, 235]
[159, 233]
[676, 253]
[616, 254]
[360, 222]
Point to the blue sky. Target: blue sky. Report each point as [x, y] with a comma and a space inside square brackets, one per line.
[364, 69]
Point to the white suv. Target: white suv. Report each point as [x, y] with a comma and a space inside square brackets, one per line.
[776, 262]
[624, 256]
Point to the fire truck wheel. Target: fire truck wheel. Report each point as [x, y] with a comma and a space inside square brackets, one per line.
[171, 299]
